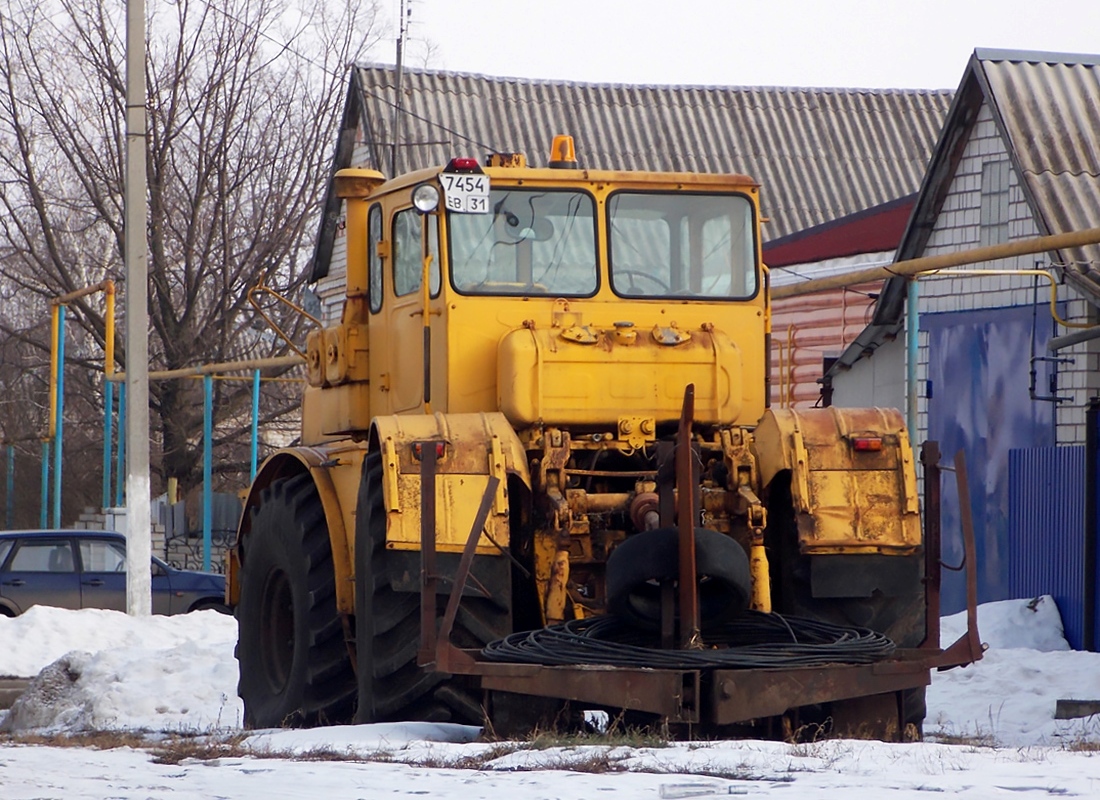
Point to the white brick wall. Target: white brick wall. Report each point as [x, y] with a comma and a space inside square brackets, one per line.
[956, 228]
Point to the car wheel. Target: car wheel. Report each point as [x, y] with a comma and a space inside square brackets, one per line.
[295, 669]
[211, 605]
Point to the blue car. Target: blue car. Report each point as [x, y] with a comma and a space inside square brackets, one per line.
[87, 569]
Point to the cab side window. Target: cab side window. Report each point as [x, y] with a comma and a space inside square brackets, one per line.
[407, 266]
[374, 227]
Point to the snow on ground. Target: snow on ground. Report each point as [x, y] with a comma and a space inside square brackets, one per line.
[102, 670]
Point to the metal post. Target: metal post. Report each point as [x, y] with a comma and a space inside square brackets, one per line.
[930, 459]
[121, 454]
[912, 341]
[43, 516]
[255, 421]
[685, 513]
[60, 416]
[207, 466]
[9, 511]
[108, 430]
[1092, 475]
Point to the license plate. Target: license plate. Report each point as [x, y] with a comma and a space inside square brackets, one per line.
[465, 193]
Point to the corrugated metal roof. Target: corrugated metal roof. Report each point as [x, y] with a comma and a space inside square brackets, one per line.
[1047, 108]
[819, 154]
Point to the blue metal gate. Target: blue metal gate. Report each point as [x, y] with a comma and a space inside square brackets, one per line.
[978, 402]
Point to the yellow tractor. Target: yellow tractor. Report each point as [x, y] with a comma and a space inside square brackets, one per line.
[546, 406]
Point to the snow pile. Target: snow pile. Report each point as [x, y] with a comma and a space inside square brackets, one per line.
[1009, 697]
[44, 634]
[1033, 624]
[103, 670]
[174, 674]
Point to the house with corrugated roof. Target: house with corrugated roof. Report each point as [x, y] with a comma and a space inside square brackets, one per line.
[1018, 157]
[821, 155]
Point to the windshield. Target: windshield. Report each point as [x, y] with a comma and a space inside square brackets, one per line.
[681, 245]
[532, 241]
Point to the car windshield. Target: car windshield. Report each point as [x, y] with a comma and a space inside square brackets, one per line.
[681, 245]
[532, 241]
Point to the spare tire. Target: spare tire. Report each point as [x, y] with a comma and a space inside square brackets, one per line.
[637, 567]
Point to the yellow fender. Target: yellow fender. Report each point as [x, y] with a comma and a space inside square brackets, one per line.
[853, 477]
[335, 470]
[475, 446]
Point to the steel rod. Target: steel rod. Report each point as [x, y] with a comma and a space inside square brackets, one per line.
[224, 366]
[255, 439]
[9, 505]
[43, 517]
[108, 432]
[207, 468]
[120, 472]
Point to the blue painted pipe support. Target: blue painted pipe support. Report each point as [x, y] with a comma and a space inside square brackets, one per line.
[120, 484]
[207, 466]
[60, 417]
[9, 511]
[255, 421]
[108, 412]
[44, 514]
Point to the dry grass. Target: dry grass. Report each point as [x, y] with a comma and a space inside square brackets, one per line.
[102, 740]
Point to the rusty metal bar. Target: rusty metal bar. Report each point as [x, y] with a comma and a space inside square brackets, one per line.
[224, 366]
[968, 647]
[102, 286]
[446, 653]
[428, 577]
[741, 695]
[969, 554]
[930, 459]
[668, 693]
[689, 597]
[607, 502]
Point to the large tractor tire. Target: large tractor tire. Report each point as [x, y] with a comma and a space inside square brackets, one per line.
[295, 668]
[896, 610]
[392, 686]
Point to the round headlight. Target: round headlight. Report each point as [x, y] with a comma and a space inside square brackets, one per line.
[425, 198]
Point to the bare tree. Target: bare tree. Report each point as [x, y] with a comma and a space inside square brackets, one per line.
[244, 98]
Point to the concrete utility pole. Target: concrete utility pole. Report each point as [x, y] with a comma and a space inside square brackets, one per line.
[402, 31]
[139, 591]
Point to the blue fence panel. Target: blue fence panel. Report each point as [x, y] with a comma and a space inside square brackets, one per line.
[1047, 530]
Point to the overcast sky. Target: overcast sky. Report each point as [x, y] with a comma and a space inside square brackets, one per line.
[912, 44]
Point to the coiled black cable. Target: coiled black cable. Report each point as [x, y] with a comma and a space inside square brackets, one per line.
[753, 640]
